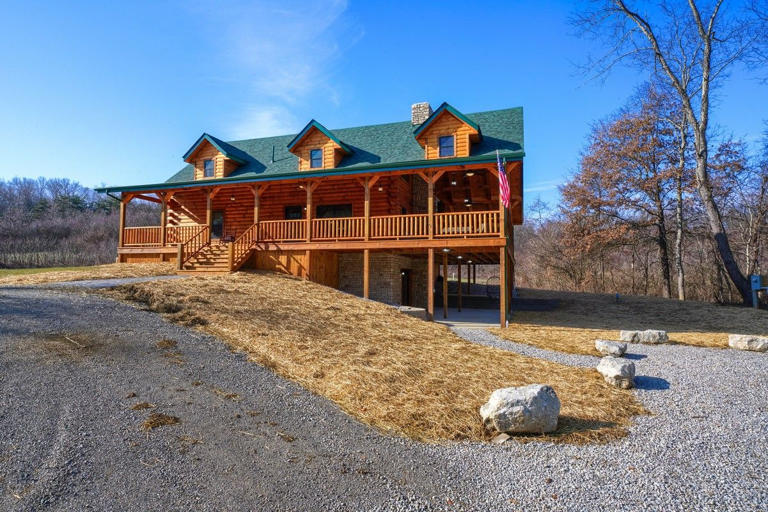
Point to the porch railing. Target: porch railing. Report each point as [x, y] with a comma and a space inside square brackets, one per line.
[400, 226]
[191, 247]
[448, 225]
[466, 224]
[343, 228]
[148, 236]
[283, 230]
[241, 247]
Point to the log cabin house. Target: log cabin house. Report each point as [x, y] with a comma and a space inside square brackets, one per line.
[379, 211]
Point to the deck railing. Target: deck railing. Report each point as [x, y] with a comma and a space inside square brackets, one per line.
[191, 247]
[400, 226]
[466, 224]
[241, 247]
[180, 234]
[283, 230]
[387, 227]
[342, 228]
[147, 236]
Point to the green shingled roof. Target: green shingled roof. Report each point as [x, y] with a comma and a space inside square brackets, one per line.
[382, 147]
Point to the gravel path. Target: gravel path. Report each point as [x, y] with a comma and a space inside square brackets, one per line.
[70, 441]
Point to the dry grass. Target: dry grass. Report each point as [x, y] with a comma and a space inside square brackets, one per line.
[60, 274]
[140, 406]
[583, 317]
[399, 374]
[157, 419]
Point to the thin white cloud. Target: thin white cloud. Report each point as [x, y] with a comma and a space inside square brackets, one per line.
[285, 53]
[543, 186]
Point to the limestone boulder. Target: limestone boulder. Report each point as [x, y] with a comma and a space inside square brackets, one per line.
[748, 342]
[610, 348]
[650, 336]
[617, 372]
[527, 409]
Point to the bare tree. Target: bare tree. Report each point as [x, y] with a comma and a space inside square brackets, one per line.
[694, 52]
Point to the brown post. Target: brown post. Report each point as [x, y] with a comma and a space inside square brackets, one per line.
[502, 287]
[431, 205]
[445, 285]
[474, 273]
[502, 224]
[121, 233]
[208, 213]
[469, 279]
[430, 284]
[256, 203]
[367, 186]
[458, 274]
[163, 217]
[309, 211]
[366, 272]
[179, 256]
[307, 264]
[231, 255]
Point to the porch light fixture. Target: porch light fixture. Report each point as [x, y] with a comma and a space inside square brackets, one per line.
[470, 173]
[453, 183]
[231, 198]
[301, 187]
[446, 249]
[469, 261]
[381, 189]
[459, 257]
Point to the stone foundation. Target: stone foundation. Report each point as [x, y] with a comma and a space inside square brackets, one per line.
[385, 279]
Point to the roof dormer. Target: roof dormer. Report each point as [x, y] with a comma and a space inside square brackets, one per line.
[447, 133]
[317, 148]
[213, 158]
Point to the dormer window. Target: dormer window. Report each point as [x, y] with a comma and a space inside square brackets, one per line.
[446, 146]
[208, 169]
[315, 158]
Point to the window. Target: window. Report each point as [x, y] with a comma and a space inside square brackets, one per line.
[332, 211]
[294, 212]
[208, 166]
[446, 145]
[315, 158]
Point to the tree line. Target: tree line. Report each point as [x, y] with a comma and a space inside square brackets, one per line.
[654, 190]
[58, 222]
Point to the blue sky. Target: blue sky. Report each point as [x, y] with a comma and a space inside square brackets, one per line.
[115, 92]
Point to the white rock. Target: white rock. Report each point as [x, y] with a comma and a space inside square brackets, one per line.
[651, 336]
[748, 342]
[610, 348]
[617, 372]
[529, 409]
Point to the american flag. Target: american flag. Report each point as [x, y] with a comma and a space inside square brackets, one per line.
[503, 183]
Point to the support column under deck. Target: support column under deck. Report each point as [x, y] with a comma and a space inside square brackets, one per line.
[430, 284]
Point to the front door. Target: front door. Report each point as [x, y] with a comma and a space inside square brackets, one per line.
[405, 287]
[217, 224]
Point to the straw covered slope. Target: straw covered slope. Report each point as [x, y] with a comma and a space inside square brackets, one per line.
[399, 374]
[28, 276]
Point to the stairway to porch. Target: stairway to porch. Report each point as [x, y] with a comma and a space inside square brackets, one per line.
[211, 258]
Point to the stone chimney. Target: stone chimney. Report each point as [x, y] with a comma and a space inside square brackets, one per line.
[420, 112]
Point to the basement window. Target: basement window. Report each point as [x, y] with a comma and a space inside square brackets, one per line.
[315, 158]
[208, 167]
[446, 145]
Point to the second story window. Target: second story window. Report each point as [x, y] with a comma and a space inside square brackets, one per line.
[208, 169]
[315, 158]
[446, 145]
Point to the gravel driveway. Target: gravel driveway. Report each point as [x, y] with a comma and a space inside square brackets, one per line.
[71, 363]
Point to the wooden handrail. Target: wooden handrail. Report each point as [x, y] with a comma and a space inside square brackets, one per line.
[466, 224]
[282, 230]
[241, 247]
[400, 226]
[338, 228]
[181, 234]
[194, 245]
[144, 236]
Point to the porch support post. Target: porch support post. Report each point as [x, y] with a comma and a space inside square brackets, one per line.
[208, 212]
[430, 284]
[503, 287]
[163, 217]
[366, 273]
[310, 188]
[502, 217]
[445, 285]
[123, 202]
[431, 204]
[367, 187]
[458, 274]
[255, 190]
[474, 273]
